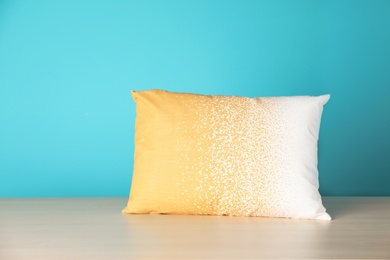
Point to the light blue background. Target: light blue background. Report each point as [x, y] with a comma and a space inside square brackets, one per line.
[66, 69]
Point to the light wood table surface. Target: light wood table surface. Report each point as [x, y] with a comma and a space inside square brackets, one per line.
[95, 228]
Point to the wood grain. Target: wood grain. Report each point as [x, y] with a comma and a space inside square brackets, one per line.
[94, 228]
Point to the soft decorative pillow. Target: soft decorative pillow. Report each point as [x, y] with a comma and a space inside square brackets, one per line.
[226, 155]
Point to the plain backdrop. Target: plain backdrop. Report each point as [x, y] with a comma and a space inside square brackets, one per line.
[66, 69]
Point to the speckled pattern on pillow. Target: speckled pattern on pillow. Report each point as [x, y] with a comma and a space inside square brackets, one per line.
[226, 155]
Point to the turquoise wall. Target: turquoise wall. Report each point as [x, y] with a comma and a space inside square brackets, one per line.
[66, 68]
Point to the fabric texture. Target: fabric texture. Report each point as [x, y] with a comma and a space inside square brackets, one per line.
[226, 155]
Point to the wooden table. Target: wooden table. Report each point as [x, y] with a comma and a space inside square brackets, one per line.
[94, 228]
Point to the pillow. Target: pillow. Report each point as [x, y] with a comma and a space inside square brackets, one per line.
[226, 155]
